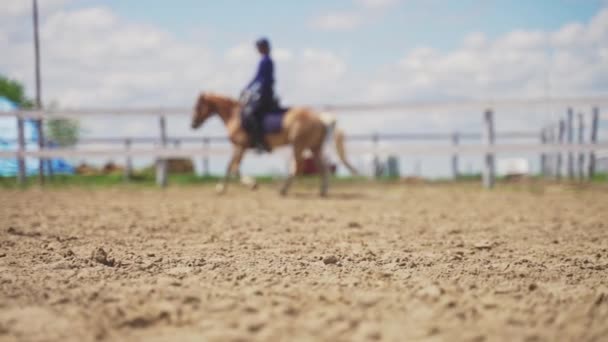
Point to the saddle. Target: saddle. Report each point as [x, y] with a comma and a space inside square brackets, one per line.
[260, 116]
[272, 122]
[272, 118]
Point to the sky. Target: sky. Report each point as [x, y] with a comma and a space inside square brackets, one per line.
[152, 53]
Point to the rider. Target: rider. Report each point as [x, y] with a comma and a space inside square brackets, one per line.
[258, 96]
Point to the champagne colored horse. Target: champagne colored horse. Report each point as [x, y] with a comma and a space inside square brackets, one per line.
[302, 128]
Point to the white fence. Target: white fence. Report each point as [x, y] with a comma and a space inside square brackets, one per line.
[487, 150]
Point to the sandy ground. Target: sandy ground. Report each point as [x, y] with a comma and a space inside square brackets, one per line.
[383, 262]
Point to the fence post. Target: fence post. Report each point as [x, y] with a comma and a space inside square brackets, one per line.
[489, 171]
[559, 167]
[128, 171]
[161, 162]
[377, 167]
[21, 175]
[41, 160]
[570, 137]
[550, 156]
[543, 155]
[581, 140]
[49, 167]
[593, 139]
[455, 142]
[206, 157]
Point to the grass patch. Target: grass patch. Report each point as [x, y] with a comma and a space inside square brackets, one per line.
[142, 179]
[147, 179]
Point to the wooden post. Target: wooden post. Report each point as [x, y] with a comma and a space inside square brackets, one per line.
[550, 156]
[559, 162]
[41, 161]
[49, 167]
[581, 140]
[455, 143]
[570, 138]
[206, 157]
[128, 170]
[489, 171]
[543, 155]
[593, 139]
[21, 175]
[161, 163]
[377, 166]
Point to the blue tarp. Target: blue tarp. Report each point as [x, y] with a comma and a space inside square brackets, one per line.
[8, 139]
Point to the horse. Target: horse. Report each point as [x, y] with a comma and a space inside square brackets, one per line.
[301, 127]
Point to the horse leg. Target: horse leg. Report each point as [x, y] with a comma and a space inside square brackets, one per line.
[249, 182]
[324, 171]
[296, 168]
[232, 169]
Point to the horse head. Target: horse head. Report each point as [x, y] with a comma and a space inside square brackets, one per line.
[203, 109]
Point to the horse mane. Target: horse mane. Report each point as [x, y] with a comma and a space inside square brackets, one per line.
[214, 97]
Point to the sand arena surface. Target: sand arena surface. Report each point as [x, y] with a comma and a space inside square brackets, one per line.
[373, 262]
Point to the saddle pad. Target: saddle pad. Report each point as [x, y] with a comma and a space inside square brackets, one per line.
[273, 122]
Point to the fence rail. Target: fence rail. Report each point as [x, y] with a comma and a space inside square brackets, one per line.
[350, 137]
[445, 106]
[170, 147]
[401, 150]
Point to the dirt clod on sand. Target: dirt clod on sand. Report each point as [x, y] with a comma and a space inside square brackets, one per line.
[99, 255]
[330, 260]
[371, 262]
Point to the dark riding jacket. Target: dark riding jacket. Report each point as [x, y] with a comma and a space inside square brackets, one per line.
[263, 82]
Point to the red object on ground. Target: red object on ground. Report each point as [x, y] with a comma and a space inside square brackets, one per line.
[310, 167]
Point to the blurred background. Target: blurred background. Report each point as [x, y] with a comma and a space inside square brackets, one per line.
[112, 54]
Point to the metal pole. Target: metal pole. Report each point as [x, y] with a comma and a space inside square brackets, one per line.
[489, 172]
[21, 176]
[455, 142]
[562, 129]
[39, 125]
[593, 139]
[570, 138]
[581, 140]
[161, 163]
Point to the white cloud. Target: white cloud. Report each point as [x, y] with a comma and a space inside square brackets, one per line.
[17, 8]
[378, 4]
[338, 21]
[475, 40]
[570, 35]
[568, 61]
[92, 56]
[364, 11]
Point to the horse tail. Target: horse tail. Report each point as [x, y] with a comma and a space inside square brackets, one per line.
[331, 129]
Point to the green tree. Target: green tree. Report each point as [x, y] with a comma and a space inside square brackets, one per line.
[63, 132]
[14, 91]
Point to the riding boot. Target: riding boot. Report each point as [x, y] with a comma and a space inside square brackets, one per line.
[257, 137]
